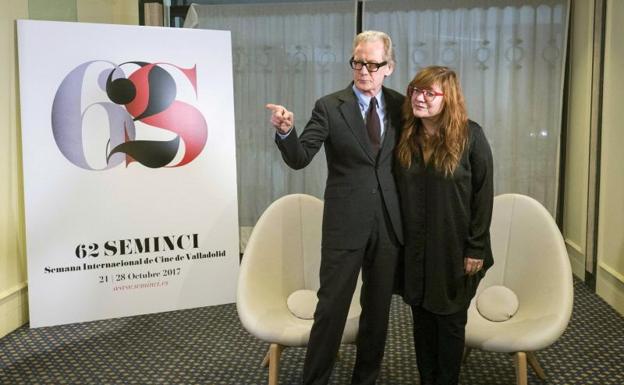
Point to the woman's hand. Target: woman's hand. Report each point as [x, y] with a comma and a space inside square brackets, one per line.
[472, 265]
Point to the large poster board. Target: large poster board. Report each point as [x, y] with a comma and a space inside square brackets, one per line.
[129, 169]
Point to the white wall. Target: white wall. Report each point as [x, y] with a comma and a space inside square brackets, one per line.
[13, 293]
[610, 272]
[577, 147]
[610, 254]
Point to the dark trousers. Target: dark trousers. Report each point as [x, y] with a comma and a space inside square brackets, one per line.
[338, 278]
[439, 343]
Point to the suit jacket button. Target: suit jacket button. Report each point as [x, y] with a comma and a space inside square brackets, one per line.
[374, 191]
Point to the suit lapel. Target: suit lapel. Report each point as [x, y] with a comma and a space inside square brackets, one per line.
[393, 119]
[351, 114]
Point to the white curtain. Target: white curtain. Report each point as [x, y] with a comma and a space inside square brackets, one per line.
[290, 54]
[510, 57]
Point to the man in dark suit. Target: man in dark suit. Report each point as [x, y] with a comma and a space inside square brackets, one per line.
[362, 229]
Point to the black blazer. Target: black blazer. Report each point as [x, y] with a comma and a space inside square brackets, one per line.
[355, 175]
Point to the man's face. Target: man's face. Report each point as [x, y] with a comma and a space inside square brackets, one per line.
[370, 52]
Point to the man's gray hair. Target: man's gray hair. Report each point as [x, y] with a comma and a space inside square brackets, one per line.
[367, 36]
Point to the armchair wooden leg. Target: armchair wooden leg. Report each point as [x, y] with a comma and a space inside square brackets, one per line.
[532, 358]
[274, 354]
[265, 360]
[520, 362]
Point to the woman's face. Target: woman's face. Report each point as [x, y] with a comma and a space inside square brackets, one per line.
[427, 102]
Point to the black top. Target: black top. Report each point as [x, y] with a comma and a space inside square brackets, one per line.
[446, 219]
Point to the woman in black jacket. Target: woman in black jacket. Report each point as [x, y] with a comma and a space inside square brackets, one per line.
[444, 175]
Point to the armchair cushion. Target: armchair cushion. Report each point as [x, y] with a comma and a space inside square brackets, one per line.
[302, 303]
[497, 303]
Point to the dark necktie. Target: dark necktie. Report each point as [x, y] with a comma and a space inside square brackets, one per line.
[372, 125]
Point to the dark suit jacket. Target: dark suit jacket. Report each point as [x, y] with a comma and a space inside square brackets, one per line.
[355, 175]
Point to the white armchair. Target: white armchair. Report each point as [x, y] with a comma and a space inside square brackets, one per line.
[531, 260]
[282, 257]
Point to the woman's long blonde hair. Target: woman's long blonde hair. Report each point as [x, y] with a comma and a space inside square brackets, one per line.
[448, 145]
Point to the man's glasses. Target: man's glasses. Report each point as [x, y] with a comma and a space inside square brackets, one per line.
[371, 67]
[429, 95]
